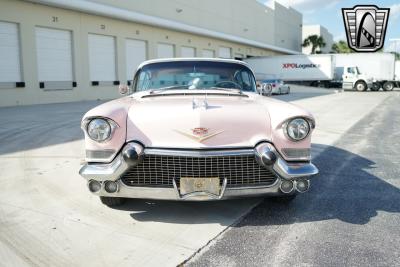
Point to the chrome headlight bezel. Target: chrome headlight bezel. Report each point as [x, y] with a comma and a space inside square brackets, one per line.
[111, 124]
[307, 122]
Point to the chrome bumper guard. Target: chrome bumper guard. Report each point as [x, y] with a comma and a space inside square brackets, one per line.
[114, 170]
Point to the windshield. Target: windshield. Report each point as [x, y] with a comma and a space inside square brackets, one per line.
[187, 75]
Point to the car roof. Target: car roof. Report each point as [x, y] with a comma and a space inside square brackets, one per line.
[192, 59]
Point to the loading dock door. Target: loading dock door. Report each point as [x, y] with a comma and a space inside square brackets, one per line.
[188, 51]
[208, 53]
[54, 58]
[102, 57]
[165, 51]
[136, 53]
[224, 52]
[10, 63]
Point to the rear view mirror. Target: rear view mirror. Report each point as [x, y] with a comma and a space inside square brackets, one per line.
[123, 89]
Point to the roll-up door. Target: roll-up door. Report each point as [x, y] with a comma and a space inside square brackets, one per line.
[188, 51]
[136, 53]
[208, 53]
[165, 51]
[224, 52]
[54, 58]
[10, 62]
[102, 59]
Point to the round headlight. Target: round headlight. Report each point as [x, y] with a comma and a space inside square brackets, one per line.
[298, 129]
[99, 130]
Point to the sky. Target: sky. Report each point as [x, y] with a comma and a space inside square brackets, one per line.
[329, 15]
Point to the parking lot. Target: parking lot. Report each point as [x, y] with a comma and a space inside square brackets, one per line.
[349, 217]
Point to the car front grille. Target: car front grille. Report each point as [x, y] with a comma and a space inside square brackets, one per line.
[160, 170]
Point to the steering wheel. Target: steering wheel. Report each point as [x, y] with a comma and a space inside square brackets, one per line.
[226, 83]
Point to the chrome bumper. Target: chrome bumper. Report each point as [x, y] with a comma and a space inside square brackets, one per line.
[114, 170]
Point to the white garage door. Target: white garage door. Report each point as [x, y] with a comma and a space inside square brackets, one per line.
[188, 51]
[165, 51]
[224, 52]
[208, 53]
[54, 55]
[10, 63]
[102, 58]
[136, 51]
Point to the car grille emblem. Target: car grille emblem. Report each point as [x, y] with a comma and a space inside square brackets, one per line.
[200, 131]
[199, 134]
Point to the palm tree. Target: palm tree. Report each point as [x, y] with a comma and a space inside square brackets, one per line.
[315, 41]
[341, 47]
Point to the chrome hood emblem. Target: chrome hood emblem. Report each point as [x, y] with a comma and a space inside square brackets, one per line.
[199, 134]
[199, 104]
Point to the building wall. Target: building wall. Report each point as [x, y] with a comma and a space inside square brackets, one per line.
[320, 31]
[288, 27]
[328, 37]
[29, 15]
[244, 18]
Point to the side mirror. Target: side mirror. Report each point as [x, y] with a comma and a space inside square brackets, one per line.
[123, 89]
[266, 89]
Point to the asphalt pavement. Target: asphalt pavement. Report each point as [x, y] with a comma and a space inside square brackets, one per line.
[298, 92]
[350, 217]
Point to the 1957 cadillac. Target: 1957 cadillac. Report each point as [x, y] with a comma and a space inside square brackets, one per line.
[196, 129]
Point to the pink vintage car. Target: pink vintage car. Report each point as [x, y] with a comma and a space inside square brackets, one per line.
[196, 129]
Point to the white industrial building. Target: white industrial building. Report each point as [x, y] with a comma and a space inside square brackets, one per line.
[71, 50]
[320, 31]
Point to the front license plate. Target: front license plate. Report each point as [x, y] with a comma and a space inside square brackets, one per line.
[190, 185]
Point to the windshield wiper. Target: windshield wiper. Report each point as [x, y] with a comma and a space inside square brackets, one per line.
[173, 87]
[227, 89]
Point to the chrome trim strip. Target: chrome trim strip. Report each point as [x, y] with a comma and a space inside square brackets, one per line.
[294, 171]
[170, 193]
[198, 153]
[306, 153]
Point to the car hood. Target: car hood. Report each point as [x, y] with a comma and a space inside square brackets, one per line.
[198, 121]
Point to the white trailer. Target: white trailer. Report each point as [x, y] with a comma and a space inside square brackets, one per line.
[295, 67]
[357, 71]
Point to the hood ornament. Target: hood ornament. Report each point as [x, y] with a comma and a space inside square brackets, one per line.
[199, 134]
[197, 104]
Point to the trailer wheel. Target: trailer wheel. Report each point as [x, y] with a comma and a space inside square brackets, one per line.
[376, 87]
[360, 86]
[388, 86]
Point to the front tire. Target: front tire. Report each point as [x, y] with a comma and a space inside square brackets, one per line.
[360, 86]
[388, 86]
[112, 201]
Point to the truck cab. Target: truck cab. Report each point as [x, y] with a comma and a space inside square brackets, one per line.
[352, 78]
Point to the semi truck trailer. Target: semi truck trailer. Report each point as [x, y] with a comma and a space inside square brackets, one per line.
[349, 71]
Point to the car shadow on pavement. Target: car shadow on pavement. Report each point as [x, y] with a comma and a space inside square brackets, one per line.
[346, 189]
[223, 212]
